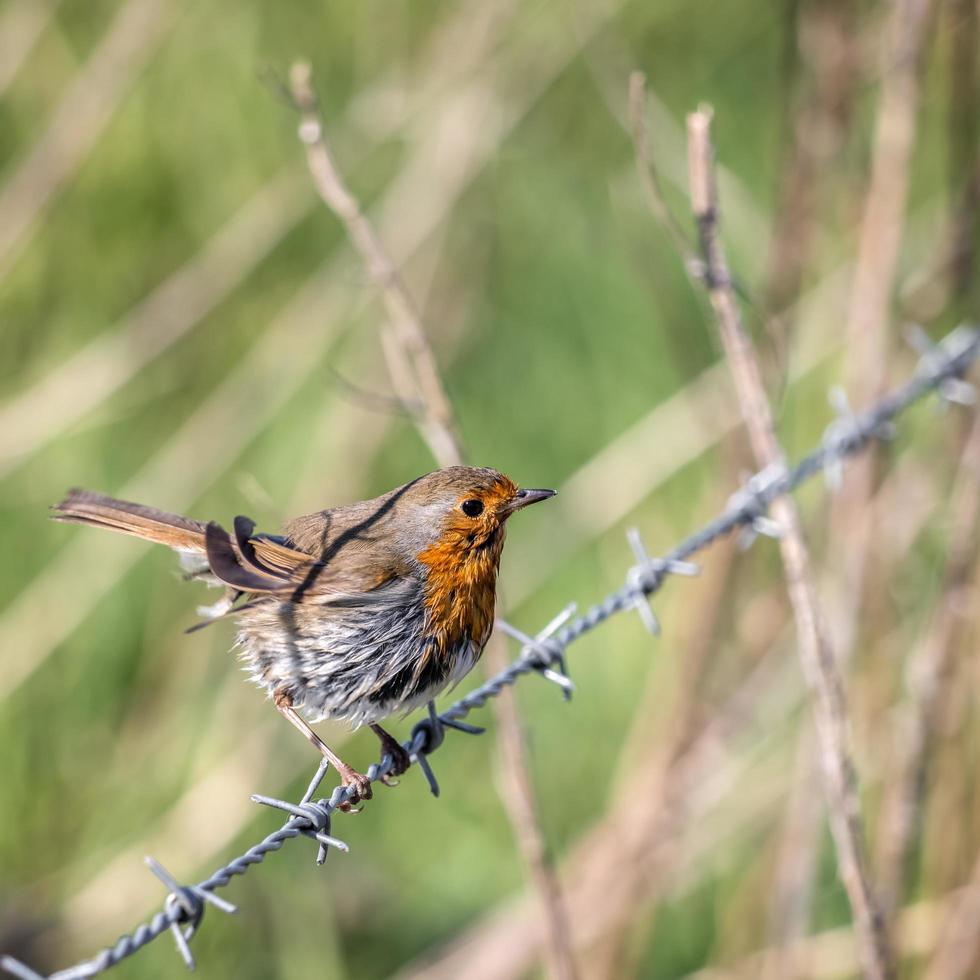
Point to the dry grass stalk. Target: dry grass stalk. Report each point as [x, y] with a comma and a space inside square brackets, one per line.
[931, 671]
[412, 351]
[964, 138]
[956, 946]
[866, 326]
[816, 655]
[823, 73]
[416, 378]
[22, 22]
[649, 175]
[830, 955]
[660, 753]
[907, 35]
[851, 528]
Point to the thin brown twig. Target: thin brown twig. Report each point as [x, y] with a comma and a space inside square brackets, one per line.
[882, 225]
[866, 330]
[908, 32]
[373, 401]
[821, 84]
[964, 133]
[653, 188]
[866, 326]
[795, 868]
[930, 674]
[795, 876]
[661, 753]
[413, 348]
[956, 947]
[413, 369]
[650, 176]
[829, 955]
[816, 655]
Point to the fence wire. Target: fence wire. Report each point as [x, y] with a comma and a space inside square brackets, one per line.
[940, 369]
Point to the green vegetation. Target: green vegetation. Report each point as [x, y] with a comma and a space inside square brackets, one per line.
[492, 139]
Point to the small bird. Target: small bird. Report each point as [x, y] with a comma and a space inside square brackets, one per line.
[354, 612]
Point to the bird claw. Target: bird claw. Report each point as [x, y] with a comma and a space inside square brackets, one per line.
[401, 760]
[361, 786]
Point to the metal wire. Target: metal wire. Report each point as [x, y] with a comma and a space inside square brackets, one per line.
[940, 370]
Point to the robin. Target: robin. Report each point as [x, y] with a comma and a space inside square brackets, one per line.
[355, 612]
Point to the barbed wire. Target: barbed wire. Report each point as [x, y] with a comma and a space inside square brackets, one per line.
[939, 370]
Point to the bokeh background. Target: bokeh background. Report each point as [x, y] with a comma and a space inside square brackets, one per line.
[184, 324]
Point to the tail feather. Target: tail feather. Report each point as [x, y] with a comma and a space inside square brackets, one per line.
[246, 563]
[98, 510]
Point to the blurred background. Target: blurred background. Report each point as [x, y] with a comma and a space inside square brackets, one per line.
[184, 324]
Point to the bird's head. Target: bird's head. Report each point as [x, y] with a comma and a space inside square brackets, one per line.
[460, 512]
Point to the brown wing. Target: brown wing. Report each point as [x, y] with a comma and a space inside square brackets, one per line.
[264, 566]
[245, 562]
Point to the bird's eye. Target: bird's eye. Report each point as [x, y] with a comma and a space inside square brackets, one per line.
[472, 508]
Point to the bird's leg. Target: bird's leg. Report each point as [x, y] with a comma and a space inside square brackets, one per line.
[400, 759]
[348, 775]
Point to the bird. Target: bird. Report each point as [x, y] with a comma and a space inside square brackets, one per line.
[353, 613]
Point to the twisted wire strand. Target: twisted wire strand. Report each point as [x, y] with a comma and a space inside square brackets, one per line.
[943, 363]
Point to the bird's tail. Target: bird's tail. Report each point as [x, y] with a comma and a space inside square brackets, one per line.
[96, 509]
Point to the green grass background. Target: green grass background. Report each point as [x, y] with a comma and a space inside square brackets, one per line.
[561, 316]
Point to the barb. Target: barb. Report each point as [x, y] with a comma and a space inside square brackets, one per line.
[949, 360]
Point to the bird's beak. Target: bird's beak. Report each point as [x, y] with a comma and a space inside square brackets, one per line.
[524, 498]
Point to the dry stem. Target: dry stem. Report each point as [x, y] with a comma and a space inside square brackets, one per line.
[650, 176]
[21, 26]
[930, 673]
[815, 652]
[415, 377]
[956, 948]
[884, 210]
[412, 352]
[822, 75]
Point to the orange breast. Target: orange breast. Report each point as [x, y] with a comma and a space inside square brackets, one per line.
[461, 589]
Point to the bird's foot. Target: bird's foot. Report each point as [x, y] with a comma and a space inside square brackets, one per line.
[400, 759]
[350, 777]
